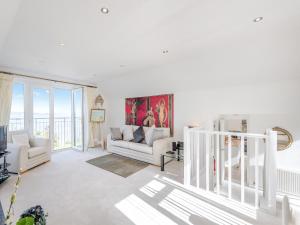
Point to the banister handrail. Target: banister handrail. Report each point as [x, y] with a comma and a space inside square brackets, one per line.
[227, 133]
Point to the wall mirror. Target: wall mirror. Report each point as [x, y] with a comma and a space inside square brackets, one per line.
[284, 138]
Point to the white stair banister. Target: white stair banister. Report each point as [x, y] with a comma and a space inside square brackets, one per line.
[256, 156]
[198, 160]
[207, 147]
[242, 169]
[229, 168]
[187, 157]
[270, 172]
[218, 162]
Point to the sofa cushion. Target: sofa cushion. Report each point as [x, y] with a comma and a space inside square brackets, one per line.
[156, 135]
[116, 134]
[148, 134]
[119, 143]
[128, 133]
[165, 130]
[139, 135]
[21, 139]
[146, 129]
[139, 147]
[35, 151]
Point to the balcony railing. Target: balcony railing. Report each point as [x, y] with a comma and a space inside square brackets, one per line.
[62, 130]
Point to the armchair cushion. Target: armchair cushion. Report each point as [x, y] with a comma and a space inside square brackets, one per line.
[35, 151]
[21, 139]
[39, 142]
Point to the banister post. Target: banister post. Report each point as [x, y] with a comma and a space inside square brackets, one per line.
[187, 155]
[270, 172]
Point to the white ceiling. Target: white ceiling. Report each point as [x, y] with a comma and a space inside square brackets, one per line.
[133, 34]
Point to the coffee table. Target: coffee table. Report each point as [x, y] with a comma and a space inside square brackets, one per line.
[178, 155]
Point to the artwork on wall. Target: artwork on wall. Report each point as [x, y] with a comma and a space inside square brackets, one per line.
[150, 110]
[97, 115]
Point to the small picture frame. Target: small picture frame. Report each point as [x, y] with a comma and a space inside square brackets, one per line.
[97, 115]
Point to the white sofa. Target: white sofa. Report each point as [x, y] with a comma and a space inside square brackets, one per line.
[142, 151]
[22, 157]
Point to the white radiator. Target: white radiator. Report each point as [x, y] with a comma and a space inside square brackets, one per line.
[288, 182]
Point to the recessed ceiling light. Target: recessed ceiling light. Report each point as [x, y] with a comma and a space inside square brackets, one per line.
[61, 44]
[104, 10]
[165, 51]
[258, 19]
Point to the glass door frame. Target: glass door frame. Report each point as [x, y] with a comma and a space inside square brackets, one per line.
[68, 88]
[29, 86]
[74, 119]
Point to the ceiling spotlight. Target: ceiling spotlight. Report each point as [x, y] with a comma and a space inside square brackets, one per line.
[258, 19]
[104, 10]
[165, 51]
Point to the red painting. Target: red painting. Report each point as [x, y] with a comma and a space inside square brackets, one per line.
[151, 110]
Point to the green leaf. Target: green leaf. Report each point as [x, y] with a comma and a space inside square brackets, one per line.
[26, 221]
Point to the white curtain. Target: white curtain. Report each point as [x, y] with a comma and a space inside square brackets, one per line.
[6, 88]
[90, 95]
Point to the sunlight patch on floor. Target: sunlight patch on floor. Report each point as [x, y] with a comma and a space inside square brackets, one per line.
[244, 209]
[141, 213]
[152, 188]
[183, 206]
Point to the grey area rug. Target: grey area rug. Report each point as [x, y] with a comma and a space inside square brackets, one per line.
[119, 165]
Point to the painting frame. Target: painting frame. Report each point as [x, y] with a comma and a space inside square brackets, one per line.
[155, 110]
[97, 115]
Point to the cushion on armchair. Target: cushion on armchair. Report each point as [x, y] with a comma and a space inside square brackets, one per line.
[35, 151]
[21, 139]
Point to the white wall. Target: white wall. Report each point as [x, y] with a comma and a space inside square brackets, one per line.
[197, 106]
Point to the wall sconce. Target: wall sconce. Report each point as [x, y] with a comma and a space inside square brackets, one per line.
[99, 100]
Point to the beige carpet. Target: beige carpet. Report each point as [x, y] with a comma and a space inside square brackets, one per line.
[119, 165]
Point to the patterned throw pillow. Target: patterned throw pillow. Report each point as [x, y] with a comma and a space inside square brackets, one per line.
[116, 134]
[138, 135]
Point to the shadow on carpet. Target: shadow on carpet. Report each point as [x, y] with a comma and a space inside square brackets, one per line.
[117, 164]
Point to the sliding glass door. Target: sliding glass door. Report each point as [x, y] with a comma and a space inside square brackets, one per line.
[78, 118]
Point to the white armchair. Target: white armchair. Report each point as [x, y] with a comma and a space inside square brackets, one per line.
[24, 157]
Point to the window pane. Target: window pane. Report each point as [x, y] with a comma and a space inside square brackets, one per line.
[41, 112]
[62, 118]
[16, 121]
